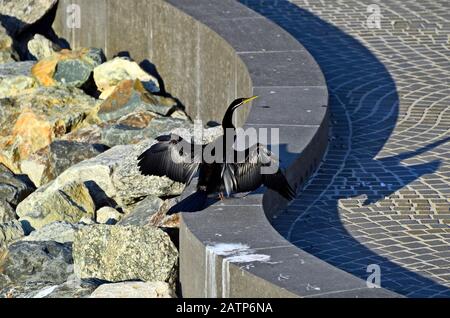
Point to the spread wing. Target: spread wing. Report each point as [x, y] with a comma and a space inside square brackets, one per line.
[247, 175]
[173, 157]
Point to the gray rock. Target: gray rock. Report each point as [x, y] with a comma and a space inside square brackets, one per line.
[16, 69]
[115, 174]
[124, 253]
[7, 53]
[4, 282]
[143, 212]
[137, 119]
[108, 215]
[202, 135]
[6, 212]
[8, 115]
[16, 85]
[152, 211]
[49, 162]
[133, 128]
[134, 290]
[38, 262]
[63, 154]
[69, 68]
[73, 73]
[131, 96]
[13, 189]
[95, 56]
[87, 221]
[60, 232]
[123, 135]
[52, 203]
[131, 186]
[76, 72]
[46, 113]
[18, 15]
[10, 232]
[8, 56]
[108, 75]
[20, 290]
[91, 134]
[73, 288]
[5, 40]
[40, 47]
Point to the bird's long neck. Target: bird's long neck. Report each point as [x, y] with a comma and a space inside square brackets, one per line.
[227, 121]
[229, 131]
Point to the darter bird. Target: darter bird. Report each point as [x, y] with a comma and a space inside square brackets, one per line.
[180, 160]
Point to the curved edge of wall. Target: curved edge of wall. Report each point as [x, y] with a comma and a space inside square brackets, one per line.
[223, 50]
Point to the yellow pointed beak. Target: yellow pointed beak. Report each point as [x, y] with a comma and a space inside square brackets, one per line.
[248, 100]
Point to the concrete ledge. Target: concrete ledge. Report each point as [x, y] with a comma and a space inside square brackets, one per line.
[210, 52]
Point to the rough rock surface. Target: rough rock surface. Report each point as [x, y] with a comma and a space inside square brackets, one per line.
[122, 135]
[134, 290]
[17, 15]
[13, 188]
[16, 69]
[6, 212]
[16, 85]
[91, 134]
[10, 232]
[57, 134]
[115, 173]
[64, 154]
[123, 253]
[143, 211]
[138, 119]
[129, 96]
[152, 211]
[73, 73]
[49, 204]
[108, 75]
[40, 47]
[202, 135]
[30, 263]
[128, 131]
[7, 53]
[8, 115]
[60, 232]
[108, 215]
[45, 114]
[70, 68]
[73, 288]
[49, 162]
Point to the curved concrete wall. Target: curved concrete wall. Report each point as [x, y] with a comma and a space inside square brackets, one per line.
[209, 52]
[197, 66]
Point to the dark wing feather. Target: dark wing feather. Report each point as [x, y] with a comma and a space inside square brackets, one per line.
[173, 157]
[248, 177]
[279, 183]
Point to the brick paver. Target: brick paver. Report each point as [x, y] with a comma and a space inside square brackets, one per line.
[381, 195]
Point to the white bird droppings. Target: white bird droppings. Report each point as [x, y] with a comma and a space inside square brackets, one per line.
[233, 253]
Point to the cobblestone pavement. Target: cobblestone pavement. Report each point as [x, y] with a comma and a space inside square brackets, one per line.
[381, 196]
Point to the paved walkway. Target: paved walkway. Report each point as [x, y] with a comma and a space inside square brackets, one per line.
[381, 196]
